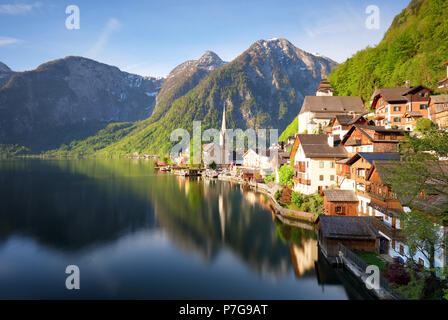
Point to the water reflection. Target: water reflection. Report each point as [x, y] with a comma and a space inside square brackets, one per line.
[137, 233]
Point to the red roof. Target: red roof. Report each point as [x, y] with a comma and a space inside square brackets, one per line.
[444, 64]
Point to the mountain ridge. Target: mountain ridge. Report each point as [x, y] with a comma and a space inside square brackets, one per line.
[262, 88]
[71, 94]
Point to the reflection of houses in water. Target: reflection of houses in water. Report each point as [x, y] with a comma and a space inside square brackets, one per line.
[222, 215]
[250, 197]
[304, 257]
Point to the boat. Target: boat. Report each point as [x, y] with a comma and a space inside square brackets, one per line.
[165, 169]
[188, 173]
[211, 174]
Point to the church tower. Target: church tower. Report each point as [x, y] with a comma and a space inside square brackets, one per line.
[223, 138]
[325, 88]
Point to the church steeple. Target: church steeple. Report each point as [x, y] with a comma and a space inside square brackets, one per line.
[223, 138]
[223, 126]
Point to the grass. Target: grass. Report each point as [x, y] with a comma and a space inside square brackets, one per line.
[371, 258]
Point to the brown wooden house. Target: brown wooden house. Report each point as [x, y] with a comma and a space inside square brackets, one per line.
[439, 111]
[362, 138]
[340, 203]
[391, 104]
[383, 200]
[355, 233]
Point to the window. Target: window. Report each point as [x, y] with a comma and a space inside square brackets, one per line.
[393, 244]
[397, 108]
[397, 119]
[331, 164]
[421, 262]
[321, 164]
[321, 178]
[331, 178]
[423, 106]
[340, 210]
[401, 249]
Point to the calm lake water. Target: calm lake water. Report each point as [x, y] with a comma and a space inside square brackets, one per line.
[136, 233]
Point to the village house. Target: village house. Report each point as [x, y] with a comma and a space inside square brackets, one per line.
[438, 107]
[391, 105]
[411, 117]
[388, 208]
[361, 138]
[343, 122]
[265, 164]
[340, 203]
[351, 175]
[318, 111]
[355, 233]
[314, 157]
[443, 84]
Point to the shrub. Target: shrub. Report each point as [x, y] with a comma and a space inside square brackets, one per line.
[285, 197]
[423, 124]
[269, 178]
[297, 198]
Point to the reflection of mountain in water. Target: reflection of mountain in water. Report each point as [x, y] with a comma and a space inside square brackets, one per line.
[58, 204]
[74, 205]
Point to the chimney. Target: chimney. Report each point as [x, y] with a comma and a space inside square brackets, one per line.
[408, 84]
[330, 140]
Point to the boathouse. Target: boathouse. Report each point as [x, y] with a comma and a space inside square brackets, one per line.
[355, 233]
[340, 203]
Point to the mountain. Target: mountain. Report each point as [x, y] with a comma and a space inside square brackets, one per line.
[182, 79]
[262, 88]
[69, 99]
[413, 48]
[5, 74]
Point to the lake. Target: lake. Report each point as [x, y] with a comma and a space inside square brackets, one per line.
[136, 233]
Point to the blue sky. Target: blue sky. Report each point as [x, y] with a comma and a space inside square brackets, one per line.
[152, 37]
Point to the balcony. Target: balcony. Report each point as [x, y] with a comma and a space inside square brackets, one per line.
[392, 233]
[303, 181]
[300, 167]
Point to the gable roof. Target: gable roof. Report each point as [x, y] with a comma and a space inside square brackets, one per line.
[391, 94]
[396, 94]
[316, 146]
[340, 195]
[347, 119]
[374, 156]
[335, 104]
[383, 169]
[440, 99]
[365, 128]
[347, 227]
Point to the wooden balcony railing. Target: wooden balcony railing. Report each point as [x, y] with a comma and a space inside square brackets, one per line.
[300, 167]
[302, 181]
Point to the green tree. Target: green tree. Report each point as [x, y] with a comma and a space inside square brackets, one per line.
[286, 173]
[420, 181]
[269, 178]
[423, 125]
[212, 165]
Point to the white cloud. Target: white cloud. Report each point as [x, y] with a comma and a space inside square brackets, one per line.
[111, 26]
[19, 8]
[4, 41]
